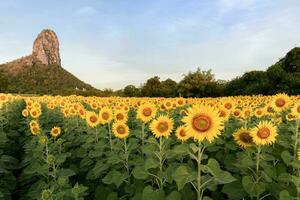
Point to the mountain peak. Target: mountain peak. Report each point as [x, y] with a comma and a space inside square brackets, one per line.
[41, 72]
[46, 48]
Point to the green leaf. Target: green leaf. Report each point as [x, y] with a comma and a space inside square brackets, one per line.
[284, 195]
[174, 196]
[194, 147]
[66, 173]
[114, 177]
[222, 177]
[140, 173]
[181, 149]
[234, 190]
[252, 188]
[150, 194]
[151, 163]
[287, 157]
[183, 176]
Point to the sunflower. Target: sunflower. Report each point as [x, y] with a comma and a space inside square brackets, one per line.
[280, 102]
[162, 126]
[298, 154]
[55, 131]
[224, 114]
[259, 112]
[296, 110]
[203, 122]
[290, 117]
[243, 138]
[25, 113]
[264, 133]
[120, 129]
[92, 119]
[229, 104]
[33, 123]
[120, 115]
[35, 113]
[182, 134]
[146, 112]
[106, 115]
[35, 130]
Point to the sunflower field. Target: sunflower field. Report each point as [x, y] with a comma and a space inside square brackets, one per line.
[244, 147]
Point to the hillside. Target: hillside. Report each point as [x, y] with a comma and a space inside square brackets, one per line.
[41, 72]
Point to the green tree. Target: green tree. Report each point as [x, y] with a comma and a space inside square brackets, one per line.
[168, 88]
[3, 82]
[200, 83]
[152, 87]
[131, 91]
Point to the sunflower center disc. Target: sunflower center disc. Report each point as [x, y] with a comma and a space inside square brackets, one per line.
[162, 127]
[201, 123]
[182, 133]
[228, 106]
[147, 112]
[246, 138]
[93, 119]
[222, 113]
[298, 109]
[263, 133]
[120, 116]
[259, 112]
[236, 113]
[121, 130]
[105, 116]
[280, 102]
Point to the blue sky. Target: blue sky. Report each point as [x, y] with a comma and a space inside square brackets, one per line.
[111, 44]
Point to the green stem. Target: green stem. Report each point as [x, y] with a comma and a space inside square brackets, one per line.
[199, 158]
[47, 155]
[110, 137]
[126, 160]
[161, 158]
[96, 134]
[143, 133]
[296, 138]
[257, 165]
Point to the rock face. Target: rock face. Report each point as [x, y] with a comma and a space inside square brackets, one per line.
[46, 48]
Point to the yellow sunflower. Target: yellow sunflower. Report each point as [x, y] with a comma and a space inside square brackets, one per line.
[280, 102]
[55, 131]
[120, 115]
[296, 110]
[162, 126]
[264, 133]
[146, 112]
[106, 115]
[92, 119]
[35, 113]
[182, 134]
[243, 138]
[120, 129]
[203, 122]
[25, 113]
[298, 154]
[290, 117]
[33, 123]
[35, 130]
[228, 104]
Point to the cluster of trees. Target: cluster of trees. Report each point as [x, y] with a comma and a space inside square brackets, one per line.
[283, 76]
[200, 83]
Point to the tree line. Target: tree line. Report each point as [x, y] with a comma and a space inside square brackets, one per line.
[283, 76]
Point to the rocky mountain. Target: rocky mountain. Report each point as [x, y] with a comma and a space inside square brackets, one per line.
[41, 72]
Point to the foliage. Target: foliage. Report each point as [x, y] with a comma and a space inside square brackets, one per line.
[86, 162]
